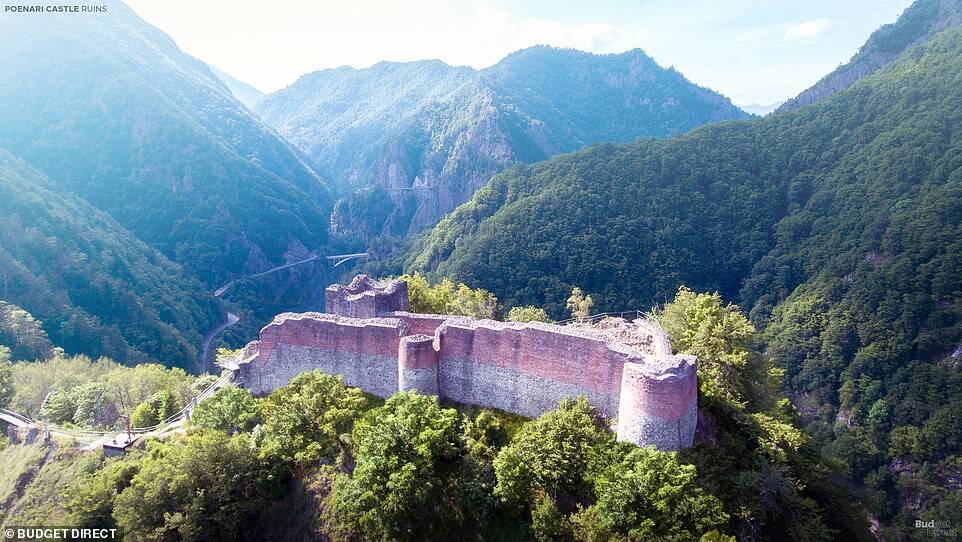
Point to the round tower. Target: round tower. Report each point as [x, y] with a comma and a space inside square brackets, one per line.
[418, 365]
[659, 405]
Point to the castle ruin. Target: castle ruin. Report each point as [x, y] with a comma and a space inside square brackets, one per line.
[372, 340]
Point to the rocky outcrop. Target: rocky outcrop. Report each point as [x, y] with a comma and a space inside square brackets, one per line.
[914, 26]
[409, 142]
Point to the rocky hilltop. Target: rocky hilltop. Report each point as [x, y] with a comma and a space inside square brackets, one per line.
[914, 26]
[406, 143]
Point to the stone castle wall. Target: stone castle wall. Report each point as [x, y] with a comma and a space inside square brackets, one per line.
[522, 368]
[366, 298]
[364, 351]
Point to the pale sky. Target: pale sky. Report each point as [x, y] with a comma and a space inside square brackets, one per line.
[751, 51]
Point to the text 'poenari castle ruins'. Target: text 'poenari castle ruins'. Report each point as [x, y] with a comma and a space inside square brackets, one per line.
[625, 369]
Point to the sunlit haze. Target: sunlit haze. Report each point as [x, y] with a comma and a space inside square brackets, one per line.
[758, 52]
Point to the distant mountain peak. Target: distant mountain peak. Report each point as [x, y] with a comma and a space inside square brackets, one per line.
[426, 135]
[916, 24]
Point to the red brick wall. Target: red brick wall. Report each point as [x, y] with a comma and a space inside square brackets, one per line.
[377, 337]
[417, 352]
[581, 361]
[420, 324]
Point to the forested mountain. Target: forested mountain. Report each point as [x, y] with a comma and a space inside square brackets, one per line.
[97, 288]
[836, 225]
[408, 142]
[246, 94]
[919, 21]
[111, 111]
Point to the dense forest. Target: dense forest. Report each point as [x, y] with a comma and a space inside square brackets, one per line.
[96, 288]
[836, 226]
[112, 113]
[319, 460]
[811, 260]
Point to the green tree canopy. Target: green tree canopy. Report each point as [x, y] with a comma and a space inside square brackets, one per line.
[579, 304]
[305, 420]
[648, 495]
[447, 298]
[230, 409]
[6, 379]
[407, 457]
[720, 337]
[551, 456]
[206, 486]
[528, 314]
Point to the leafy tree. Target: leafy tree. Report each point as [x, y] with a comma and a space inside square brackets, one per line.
[905, 441]
[548, 522]
[202, 382]
[476, 303]
[721, 338]
[100, 391]
[528, 314]
[90, 497]
[484, 435]
[156, 409]
[407, 457]
[551, 456]
[230, 409]
[446, 298]
[24, 334]
[93, 407]
[59, 407]
[204, 486]
[305, 421]
[425, 298]
[146, 382]
[578, 304]
[648, 495]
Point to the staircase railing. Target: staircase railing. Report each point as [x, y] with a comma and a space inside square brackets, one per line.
[627, 315]
[91, 435]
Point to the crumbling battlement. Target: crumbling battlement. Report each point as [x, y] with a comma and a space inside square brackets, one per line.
[522, 368]
[365, 297]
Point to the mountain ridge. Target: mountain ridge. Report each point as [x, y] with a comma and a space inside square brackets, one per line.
[422, 136]
[111, 111]
[98, 289]
[919, 21]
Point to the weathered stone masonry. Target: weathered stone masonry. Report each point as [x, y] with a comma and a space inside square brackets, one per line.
[527, 369]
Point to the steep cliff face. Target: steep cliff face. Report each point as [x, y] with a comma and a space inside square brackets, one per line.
[108, 109]
[112, 111]
[914, 26]
[407, 143]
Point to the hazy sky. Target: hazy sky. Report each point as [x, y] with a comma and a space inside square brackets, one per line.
[752, 51]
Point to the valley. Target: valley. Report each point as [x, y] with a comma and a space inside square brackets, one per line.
[802, 265]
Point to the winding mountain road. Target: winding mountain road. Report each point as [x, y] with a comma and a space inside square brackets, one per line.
[204, 359]
[209, 338]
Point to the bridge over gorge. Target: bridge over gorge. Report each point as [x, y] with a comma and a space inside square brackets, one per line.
[338, 259]
[116, 440]
[232, 318]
